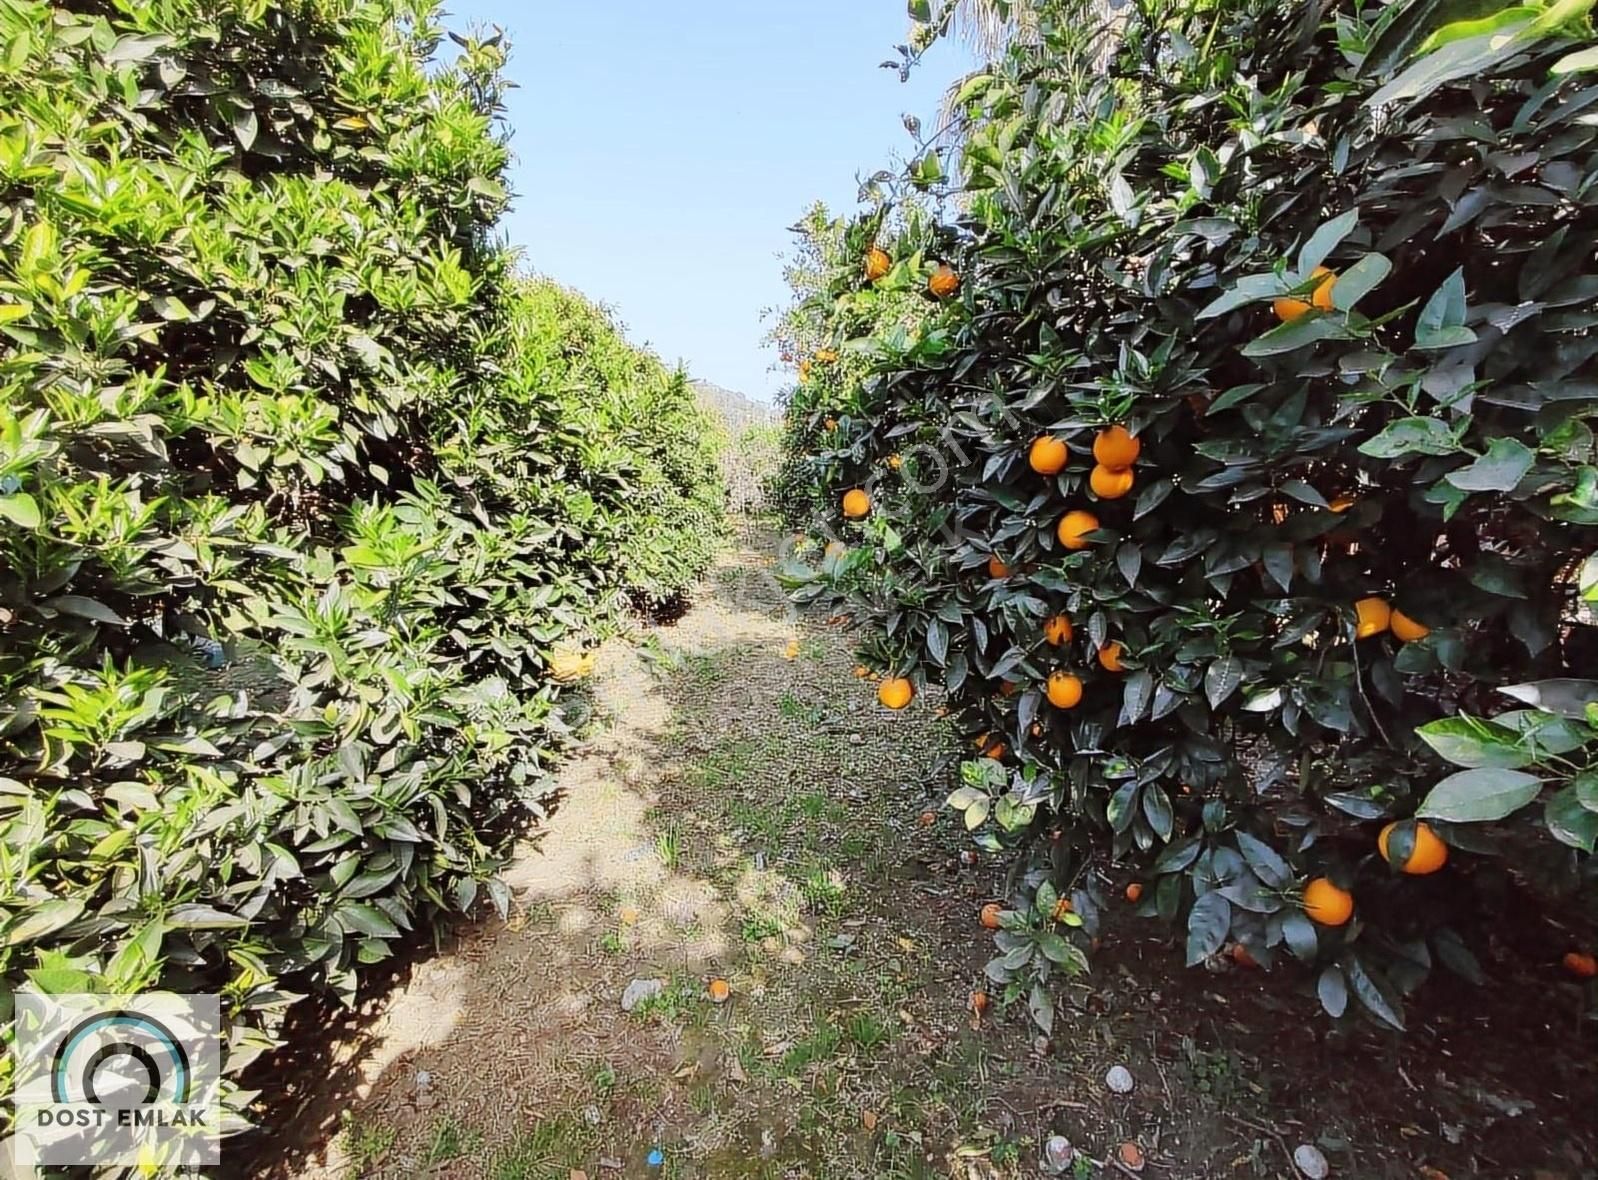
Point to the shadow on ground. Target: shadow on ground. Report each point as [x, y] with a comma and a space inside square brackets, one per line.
[744, 812]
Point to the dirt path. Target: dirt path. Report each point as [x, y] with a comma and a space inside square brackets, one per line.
[744, 812]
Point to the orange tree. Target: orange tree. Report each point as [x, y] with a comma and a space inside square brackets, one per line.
[843, 308]
[1255, 436]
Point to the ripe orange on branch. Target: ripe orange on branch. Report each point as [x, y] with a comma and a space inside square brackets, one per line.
[1406, 629]
[1074, 528]
[997, 568]
[1057, 630]
[1116, 448]
[895, 692]
[1048, 455]
[1134, 891]
[1580, 965]
[856, 503]
[1427, 856]
[1064, 690]
[944, 281]
[1327, 904]
[990, 915]
[1372, 617]
[1288, 309]
[1110, 658]
[878, 263]
[1110, 484]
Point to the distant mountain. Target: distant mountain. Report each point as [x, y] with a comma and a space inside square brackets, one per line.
[733, 408]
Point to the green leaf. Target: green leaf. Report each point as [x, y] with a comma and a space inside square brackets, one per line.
[1378, 997]
[136, 48]
[44, 918]
[193, 916]
[1471, 743]
[1056, 949]
[1471, 57]
[1359, 281]
[1208, 924]
[1221, 679]
[1576, 63]
[1040, 1005]
[1179, 855]
[1332, 988]
[1119, 810]
[1500, 470]
[921, 11]
[1425, 436]
[1455, 955]
[1267, 864]
[1480, 796]
[1157, 810]
[1442, 320]
[1564, 697]
[1569, 821]
[245, 127]
[1299, 934]
[1586, 788]
[1309, 328]
[366, 919]
[1324, 240]
[86, 608]
[1249, 289]
[21, 510]
[1459, 30]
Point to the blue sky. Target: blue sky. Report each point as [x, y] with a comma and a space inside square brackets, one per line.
[662, 150]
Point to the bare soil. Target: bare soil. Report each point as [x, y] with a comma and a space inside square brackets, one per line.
[743, 811]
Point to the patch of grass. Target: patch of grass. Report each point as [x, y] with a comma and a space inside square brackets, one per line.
[367, 1143]
[813, 804]
[796, 709]
[603, 1080]
[820, 1045]
[451, 1141]
[867, 1030]
[703, 1098]
[548, 1152]
[612, 942]
[680, 1000]
[1219, 1074]
[764, 822]
[758, 927]
[668, 846]
[824, 891]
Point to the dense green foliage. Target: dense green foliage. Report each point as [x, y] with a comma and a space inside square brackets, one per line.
[1127, 212]
[301, 489]
[823, 410]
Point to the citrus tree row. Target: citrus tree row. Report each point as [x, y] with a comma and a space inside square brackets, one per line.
[1236, 480]
[308, 502]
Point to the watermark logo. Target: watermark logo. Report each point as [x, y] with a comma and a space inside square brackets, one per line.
[130, 1079]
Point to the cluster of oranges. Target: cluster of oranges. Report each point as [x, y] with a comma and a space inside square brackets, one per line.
[1115, 451]
[1287, 309]
[1374, 615]
[941, 284]
[1329, 904]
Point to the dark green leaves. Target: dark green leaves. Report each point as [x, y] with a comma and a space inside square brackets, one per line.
[1295, 334]
[1442, 320]
[1208, 924]
[1324, 240]
[1405, 436]
[1502, 468]
[1468, 742]
[1480, 796]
